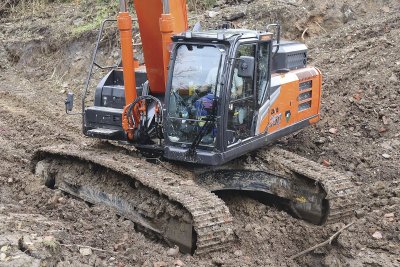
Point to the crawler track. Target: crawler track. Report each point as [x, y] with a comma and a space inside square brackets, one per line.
[208, 215]
[340, 189]
[183, 210]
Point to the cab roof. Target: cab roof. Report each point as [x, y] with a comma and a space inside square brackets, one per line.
[219, 35]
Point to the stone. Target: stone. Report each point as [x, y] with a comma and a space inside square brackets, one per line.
[377, 235]
[386, 156]
[385, 120]
[4, 249]
[359, 213]
[78, 22]
[85, 251]
[333, 130]
[3, 256]
[159, 264]
[389, 215]
[173, 251]
[393, 78]
[357, 97]
[218, 261]
[234, 16]
[179, 263]
[212, 14]
[238, 253]
[326, 163]
[382, 130]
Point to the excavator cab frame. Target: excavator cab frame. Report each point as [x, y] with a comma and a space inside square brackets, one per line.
[227, 145]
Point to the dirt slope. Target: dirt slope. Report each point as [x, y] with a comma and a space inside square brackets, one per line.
[44, 52]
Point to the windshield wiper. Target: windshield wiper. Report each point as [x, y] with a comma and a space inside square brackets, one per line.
[209, 118]
[204, 129]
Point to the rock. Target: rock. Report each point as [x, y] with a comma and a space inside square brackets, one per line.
[326, 163]
[333, 130]
[359, 213]
[357, 97]
[78, 22]
[3, 256]
[382, 130]
[319, 251]
[49, 239]
[331, 260]
[386, 9]
[179, 263]
[147, 264]
[85, 251]
[62, 200]
[4, 249]
[238, 253]
[389, 215]
[212, 14]
[159, 264]
[218, 261]
[385, 120]
[386, 156]
[234, 16]
[248, 227]
[393, 78]
[173, 251]
[348, 14]
[63, 91]
[129, 224]
[377, 235]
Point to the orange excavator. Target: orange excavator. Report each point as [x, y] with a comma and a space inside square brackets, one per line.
[195, 120]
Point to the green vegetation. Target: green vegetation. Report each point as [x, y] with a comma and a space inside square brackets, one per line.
[197, 5]
[99, 11]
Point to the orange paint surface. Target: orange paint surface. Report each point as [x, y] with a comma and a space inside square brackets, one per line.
[125, 29]
[288, 100]
[155, 48]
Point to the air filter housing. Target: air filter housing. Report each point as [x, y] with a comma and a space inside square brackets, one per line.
[290, 56]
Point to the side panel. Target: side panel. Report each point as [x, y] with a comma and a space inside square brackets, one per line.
[299, 99]
[149, 14]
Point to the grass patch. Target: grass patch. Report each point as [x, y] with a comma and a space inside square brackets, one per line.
[102, 10]
[200, 5]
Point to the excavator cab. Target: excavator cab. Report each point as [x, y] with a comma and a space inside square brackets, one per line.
[217, 81]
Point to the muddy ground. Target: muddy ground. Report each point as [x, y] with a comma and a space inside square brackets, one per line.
[44, 52]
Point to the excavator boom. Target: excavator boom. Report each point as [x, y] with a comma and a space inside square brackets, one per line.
[158, 21]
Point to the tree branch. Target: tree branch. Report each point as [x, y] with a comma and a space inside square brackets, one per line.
[326, 242]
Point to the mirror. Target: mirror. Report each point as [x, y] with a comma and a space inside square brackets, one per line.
[246, 67]
[69, 102]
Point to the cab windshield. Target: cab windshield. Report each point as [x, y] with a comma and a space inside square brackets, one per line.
[194, 94]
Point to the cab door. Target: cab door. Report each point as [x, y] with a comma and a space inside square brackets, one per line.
[241, 99]
[265, 86]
